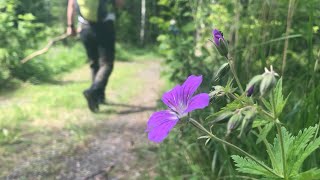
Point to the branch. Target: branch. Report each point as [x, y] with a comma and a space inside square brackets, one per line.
[45, 49]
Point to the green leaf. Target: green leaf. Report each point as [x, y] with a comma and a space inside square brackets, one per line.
[280, 102]
[305, 150]
[275, 151]
[311, 174]
[265, 131]
[296, 148]
[246, 165]
[266, 104]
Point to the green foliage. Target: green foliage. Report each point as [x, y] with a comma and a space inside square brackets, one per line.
[20, 30]
[256, 40]
[279, 101]
[246, 165]
[296, 148]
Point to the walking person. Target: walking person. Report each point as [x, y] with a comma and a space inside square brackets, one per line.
[96, 22]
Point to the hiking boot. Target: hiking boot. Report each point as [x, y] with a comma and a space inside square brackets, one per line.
[92, 101]
[102, 101]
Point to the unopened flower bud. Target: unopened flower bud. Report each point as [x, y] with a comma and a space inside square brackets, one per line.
[250, 91]
[268, 81]
[234, 122]
[217, 92]
[254, 82]
[220, 42]
[221, 118]
[247, 120]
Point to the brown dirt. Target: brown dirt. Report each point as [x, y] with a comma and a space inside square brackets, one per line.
[117, 149]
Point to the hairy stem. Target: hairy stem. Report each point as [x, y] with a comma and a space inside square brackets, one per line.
[215, 138]
[284, 162]
[235, 75]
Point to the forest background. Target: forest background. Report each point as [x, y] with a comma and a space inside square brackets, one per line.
[282, 33]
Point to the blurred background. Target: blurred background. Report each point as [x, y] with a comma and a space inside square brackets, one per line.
[41, 100]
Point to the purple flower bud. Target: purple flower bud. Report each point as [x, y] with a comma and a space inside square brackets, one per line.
[220, 43]
[217, 35]
[250, 91]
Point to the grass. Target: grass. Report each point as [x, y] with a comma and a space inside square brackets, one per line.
[129, 53]
[37, 114]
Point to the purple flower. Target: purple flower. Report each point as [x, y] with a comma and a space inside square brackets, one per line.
[217, 35]
[180, 101]
[220, 43]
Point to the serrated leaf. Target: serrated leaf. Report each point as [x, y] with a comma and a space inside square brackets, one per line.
[267, 104]
[312, 174]
[265, 131]
[296, 148]
[276, 152]
[279, 100]
[312, 146]
[248, 166]
[300, 143]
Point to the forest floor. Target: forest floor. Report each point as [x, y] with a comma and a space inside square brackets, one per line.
[50, 133]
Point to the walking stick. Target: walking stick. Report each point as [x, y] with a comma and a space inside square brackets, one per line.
[45, 49]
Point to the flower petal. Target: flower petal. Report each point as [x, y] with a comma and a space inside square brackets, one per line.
[199, 101]
[189, 87]
[160, 124]
[172, 97]
[216, 36]
[177, 98]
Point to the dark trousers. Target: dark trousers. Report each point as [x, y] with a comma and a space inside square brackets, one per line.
[99, 42]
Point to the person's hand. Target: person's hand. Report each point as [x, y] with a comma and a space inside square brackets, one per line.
[71, 31]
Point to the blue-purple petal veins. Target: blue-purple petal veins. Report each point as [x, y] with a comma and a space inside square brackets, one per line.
[180, 101]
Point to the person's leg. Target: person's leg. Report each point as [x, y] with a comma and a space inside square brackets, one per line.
[88, 37]
[106, 50]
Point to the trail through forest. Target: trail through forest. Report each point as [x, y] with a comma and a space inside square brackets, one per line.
[113, 144]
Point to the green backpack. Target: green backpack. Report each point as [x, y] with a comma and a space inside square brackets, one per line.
[95, 10]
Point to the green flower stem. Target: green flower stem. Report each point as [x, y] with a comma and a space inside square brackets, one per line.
[199, 126]
[235, 74]
[266, 113]
[284, 162]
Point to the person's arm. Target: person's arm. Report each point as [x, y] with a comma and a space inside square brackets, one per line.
[70, 13]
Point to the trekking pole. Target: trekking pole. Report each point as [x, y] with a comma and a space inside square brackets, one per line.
[46, 48]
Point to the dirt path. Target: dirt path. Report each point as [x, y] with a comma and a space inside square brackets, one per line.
[114, 152]
[118, 147]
